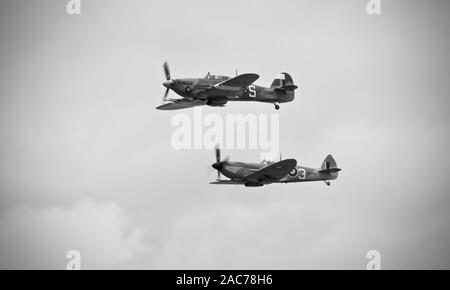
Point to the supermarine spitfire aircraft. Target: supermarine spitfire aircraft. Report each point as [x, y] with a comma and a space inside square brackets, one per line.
[283, 171]
[216, 91]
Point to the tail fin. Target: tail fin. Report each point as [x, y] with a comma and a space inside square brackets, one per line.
[283, 82]
[329, 165]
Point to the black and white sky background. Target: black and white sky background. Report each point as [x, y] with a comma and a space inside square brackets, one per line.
[86, 161]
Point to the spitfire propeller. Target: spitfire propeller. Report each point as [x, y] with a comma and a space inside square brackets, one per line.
[166, 70]
[168, 81]
[219, 163]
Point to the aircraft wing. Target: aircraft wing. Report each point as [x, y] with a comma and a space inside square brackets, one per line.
[273, 172]
[241, 81]
[227, 182]
[232, 86]
[180, 104]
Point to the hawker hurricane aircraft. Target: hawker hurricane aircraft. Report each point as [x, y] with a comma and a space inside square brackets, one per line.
[283, 171]
[216, 91]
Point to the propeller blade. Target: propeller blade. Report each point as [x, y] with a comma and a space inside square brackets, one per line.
[217, 154]
[165, 95]
[166, 71]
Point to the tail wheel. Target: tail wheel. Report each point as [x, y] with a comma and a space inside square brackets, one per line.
[277, 107]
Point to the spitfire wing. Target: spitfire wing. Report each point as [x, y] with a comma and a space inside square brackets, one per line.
[180, 104]
[232, 86]
[273, 172]
[227, 182]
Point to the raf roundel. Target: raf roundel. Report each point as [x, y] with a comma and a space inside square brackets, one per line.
[293, 173]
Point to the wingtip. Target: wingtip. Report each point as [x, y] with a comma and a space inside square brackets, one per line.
[256, 76]
[165, 107]
[293, 161]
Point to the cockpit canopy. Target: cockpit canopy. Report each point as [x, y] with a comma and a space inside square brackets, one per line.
[209, 76]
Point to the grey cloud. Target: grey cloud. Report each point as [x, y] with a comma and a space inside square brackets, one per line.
[39, 238]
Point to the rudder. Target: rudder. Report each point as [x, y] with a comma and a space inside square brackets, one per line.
[282, 80]
[329, 165]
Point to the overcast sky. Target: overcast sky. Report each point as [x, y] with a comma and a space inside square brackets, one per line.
[87, 163]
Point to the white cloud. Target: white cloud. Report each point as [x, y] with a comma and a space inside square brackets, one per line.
[40, 237]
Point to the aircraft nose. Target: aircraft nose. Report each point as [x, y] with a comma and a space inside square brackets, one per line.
[167, 84]
[217, 166]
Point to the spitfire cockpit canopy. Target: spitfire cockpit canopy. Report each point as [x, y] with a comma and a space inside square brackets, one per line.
[209, 76]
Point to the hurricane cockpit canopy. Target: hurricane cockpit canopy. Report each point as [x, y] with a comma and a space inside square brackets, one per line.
[209, 76]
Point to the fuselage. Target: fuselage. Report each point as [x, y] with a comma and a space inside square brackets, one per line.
[194, 88]
[239, 170]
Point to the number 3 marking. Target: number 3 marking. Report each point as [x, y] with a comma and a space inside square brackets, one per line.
[301, 173]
